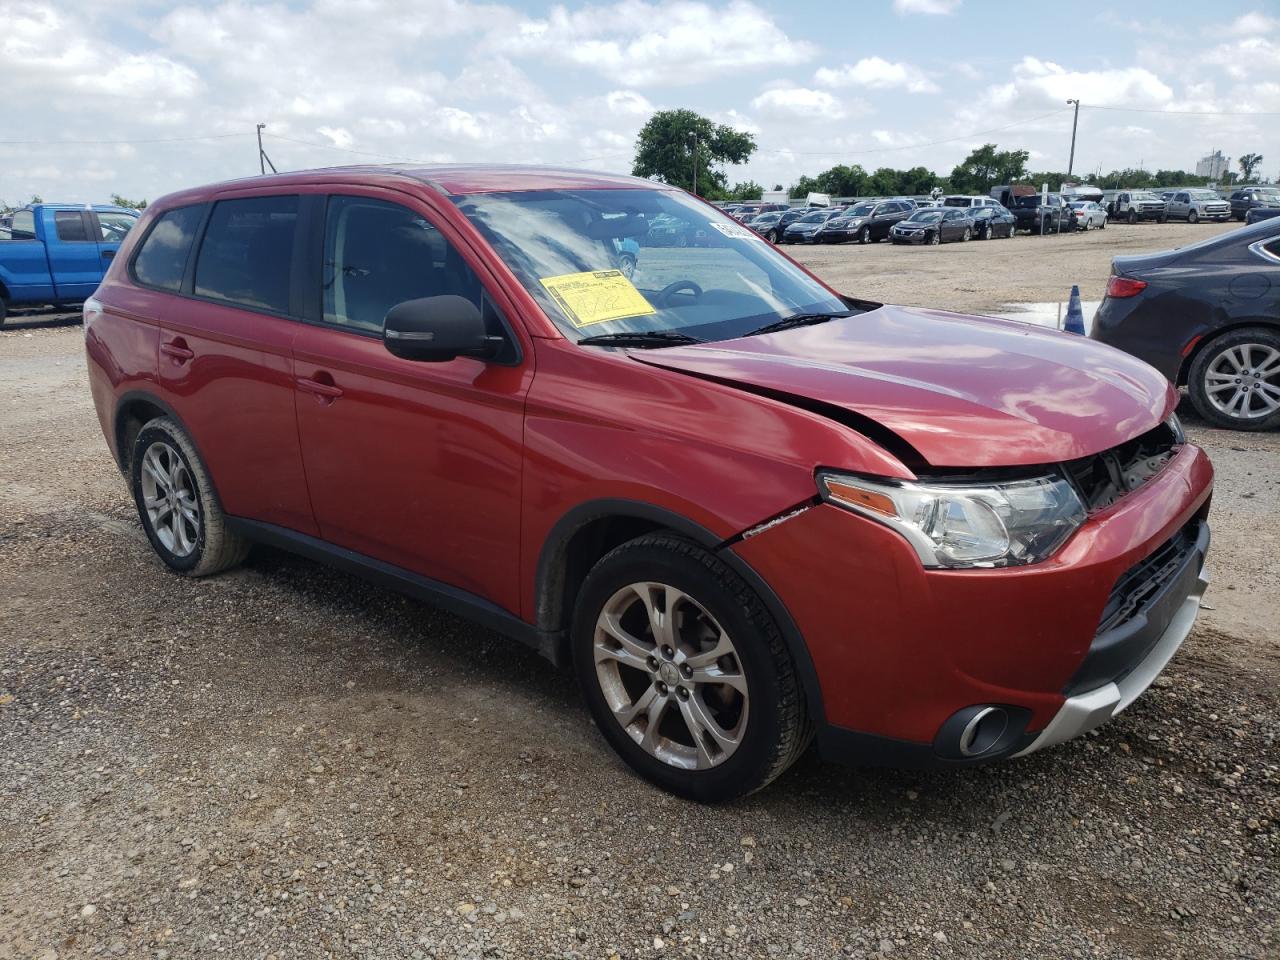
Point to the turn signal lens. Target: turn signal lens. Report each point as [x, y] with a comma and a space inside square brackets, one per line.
[1121, 287]
[852, 496]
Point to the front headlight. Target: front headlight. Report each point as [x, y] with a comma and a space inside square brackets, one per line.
[966, 524]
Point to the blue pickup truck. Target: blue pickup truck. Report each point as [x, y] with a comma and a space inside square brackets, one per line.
[56, 253]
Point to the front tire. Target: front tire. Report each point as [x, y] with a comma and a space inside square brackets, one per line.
[178, 505]
[935, 238]
[1133, 217]
[685, 672]
[1193, 217]
[1234, 381]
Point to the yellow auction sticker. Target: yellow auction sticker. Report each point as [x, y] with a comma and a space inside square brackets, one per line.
[597, 296]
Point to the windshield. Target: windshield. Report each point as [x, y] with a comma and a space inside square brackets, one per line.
[695, 271]
[860, 210]
[1144, 195]
[814, 217]
[926, 216]
[1202, 195]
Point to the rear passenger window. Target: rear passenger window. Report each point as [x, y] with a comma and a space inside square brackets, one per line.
[247, 251]
[162, 258]
[24, 225]
[379, 254]
[69, 225]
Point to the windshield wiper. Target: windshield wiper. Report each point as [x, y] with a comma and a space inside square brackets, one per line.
[639, 338]
[796, 320]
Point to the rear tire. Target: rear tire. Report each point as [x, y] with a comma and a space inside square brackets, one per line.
[633, 663]
[178, 505]
[1234, 380]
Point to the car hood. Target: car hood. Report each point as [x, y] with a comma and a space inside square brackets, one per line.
[960, 391]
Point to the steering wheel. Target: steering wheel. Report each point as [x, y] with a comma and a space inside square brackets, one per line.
[665, 294]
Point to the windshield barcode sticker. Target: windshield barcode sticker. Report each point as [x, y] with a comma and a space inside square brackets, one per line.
[597, 296]
[735, 230]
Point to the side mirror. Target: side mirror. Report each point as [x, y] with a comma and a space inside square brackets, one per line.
[436, 329]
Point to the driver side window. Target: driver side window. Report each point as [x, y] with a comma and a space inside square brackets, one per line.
[378, 254]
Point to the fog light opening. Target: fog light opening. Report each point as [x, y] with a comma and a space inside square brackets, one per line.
[983, 731]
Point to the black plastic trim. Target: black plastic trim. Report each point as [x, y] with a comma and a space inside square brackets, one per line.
[129, 397]
[1115, 652]
[857, 749]
[442, 595]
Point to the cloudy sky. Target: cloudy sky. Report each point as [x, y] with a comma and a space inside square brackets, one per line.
[179, 86]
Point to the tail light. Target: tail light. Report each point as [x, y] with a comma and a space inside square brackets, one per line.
[1121, 287]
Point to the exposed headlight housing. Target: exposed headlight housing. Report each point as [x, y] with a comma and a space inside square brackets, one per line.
[964, 524]
[1175, 425]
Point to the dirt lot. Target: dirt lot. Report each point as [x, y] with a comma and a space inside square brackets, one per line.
[984, 276]
[285, 762]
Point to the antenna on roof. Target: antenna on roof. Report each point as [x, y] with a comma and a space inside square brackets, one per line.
[263, 160]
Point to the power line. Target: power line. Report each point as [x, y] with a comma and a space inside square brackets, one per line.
[928, 143]
[55, 143]
[362, 153]
[1185, 113]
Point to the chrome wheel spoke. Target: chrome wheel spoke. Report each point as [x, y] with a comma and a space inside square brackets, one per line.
[699, 661]
[702, 725]
[169, 499]
[630, 651]
[713, 674]
[627, 715]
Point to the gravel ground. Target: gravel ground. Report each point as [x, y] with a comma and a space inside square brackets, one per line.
[286, 762]
[984, 276]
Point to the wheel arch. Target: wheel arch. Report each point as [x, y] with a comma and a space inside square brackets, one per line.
[133, 410]
[590, 530]
[1184, 371]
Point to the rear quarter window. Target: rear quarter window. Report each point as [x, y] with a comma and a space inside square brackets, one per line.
[161, 260]
[69, 225]
[247, 252]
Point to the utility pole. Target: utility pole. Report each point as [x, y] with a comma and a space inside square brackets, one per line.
[263, 160]
[694, 138]
[1071, 161]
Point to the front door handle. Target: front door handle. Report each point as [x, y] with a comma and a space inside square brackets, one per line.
[177, 351]
[323, 391]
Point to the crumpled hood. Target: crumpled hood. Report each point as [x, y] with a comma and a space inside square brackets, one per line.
[962, 391]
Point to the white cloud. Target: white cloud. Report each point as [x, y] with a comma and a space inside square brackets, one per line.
[1049, 83]
[789, 103]
[876, 73]
[670, 43]
[1254, 23]
[935, 7]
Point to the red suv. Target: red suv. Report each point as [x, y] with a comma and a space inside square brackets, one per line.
[748, 510]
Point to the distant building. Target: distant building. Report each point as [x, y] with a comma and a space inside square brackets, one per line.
[1213, 166]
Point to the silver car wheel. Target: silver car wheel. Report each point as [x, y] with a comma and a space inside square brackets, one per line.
[671, 676]
[1243, 381]
[169, 496]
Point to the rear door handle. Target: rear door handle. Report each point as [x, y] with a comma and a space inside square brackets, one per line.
[108, 254]
[177, 351]
[325, 391]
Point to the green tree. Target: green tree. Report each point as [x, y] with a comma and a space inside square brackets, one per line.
[1249, 162]
[36, 198]
[917, 181]
[803, 187]
[120, 201]
[744, 192]
[675, 143]
[842, 181]
[987, 166]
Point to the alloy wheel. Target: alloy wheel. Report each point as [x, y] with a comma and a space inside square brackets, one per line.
[169, 497]
[1243, 381]
[670, 676]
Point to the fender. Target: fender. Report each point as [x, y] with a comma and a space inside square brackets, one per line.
[552, 618]
[130, 396]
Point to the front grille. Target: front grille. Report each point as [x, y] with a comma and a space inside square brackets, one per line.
[1105, 477]
[1142, 582]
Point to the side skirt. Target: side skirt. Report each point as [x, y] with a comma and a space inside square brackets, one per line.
[438, 594]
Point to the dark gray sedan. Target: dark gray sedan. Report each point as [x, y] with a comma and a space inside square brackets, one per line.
[1208, 316]
[934, 225]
